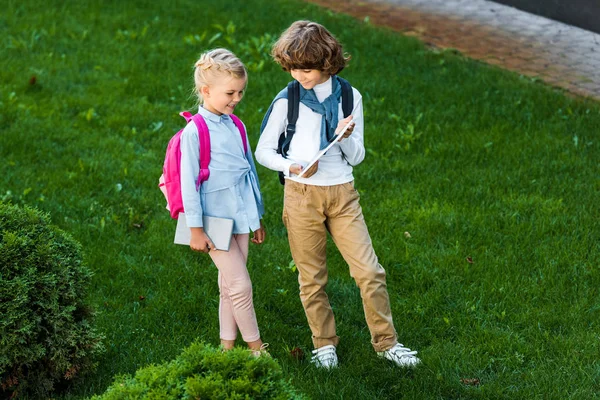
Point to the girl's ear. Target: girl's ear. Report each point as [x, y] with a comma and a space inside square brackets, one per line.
[205, 91]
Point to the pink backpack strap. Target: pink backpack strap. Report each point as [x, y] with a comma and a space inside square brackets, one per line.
[204, 145]
[240, 127]
[187, 115]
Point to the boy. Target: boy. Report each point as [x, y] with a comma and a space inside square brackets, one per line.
[324, 199]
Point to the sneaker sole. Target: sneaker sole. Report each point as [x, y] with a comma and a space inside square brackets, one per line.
[412, 365]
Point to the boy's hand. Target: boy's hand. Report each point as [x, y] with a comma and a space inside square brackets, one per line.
[297, 168]
[200, 241]
[341, 126]
[259, 235]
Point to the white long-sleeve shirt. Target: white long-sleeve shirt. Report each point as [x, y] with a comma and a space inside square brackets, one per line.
[335, 167]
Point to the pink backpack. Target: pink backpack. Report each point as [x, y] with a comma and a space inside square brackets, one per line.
[170, 181]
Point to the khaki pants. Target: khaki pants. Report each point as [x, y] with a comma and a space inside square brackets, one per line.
[310, 212]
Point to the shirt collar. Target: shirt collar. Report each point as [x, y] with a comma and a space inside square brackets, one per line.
[323, 87]
[211, 116]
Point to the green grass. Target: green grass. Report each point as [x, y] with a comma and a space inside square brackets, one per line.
[471, 160]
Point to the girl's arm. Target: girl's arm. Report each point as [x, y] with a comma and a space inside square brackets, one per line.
[266, 150]
[353, 146]
[190, 167]
[258, 196]
[258, 236]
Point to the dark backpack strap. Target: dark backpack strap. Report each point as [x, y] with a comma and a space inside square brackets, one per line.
[347, 97]
[292, 117]
[283, 145]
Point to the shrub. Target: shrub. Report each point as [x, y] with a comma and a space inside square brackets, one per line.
[45, 334]
[204, 372]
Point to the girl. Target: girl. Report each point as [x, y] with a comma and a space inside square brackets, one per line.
[231, 191]
[324, 199]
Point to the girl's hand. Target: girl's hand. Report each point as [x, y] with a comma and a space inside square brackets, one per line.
[341, 126]
[259, 235]
[297, 168]
[200, 241]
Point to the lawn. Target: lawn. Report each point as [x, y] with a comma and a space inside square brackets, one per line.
[480, 189]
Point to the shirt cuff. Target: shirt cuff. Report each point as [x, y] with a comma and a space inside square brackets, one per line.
[194, 221]
[286, 167]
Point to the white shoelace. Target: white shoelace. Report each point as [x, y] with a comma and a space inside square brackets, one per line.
[403, 354]
[400, 350]
[324, 355]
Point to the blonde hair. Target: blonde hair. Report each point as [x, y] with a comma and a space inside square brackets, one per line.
[213, 65]
[309, 45]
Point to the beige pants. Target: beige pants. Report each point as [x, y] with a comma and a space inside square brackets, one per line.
[310, 212]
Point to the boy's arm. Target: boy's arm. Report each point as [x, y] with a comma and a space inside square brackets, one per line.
[190, 167]
[266, 150]
[353, 146]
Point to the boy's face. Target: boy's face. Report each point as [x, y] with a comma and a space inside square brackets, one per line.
[222, 96]
[309, 78]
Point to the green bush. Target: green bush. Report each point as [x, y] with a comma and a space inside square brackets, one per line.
[46, 338]
[204, 372]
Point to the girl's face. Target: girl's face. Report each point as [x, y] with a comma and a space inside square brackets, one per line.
[309, 78]
[222, 96]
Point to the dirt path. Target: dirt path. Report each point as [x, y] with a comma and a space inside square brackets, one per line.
[559, 54]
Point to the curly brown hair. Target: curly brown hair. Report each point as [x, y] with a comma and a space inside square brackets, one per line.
[309, 45]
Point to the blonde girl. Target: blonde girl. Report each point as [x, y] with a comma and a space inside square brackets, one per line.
[232, 191]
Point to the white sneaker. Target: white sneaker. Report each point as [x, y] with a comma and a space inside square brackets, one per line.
[401, 356]
[325, 357]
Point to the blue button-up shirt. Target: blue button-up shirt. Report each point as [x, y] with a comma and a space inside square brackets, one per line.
[232, 189]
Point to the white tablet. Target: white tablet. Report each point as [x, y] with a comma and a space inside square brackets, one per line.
[330, 145]
[219, 230]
